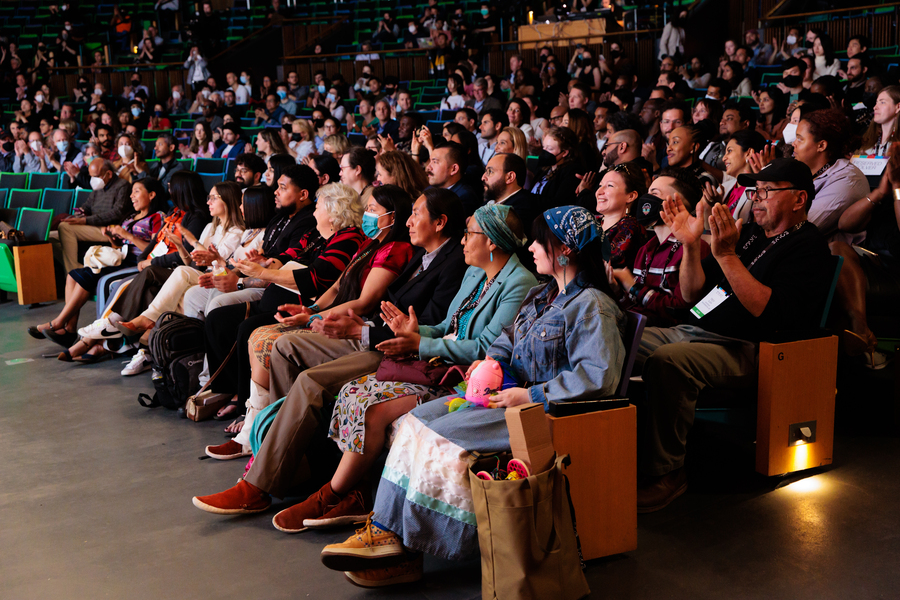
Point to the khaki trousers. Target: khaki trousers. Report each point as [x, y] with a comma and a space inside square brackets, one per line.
[308, 373]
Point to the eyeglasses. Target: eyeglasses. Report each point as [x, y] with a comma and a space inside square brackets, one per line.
[763, 193]
[467, 232]
[559, 118]
[623, 168]
[213, 197]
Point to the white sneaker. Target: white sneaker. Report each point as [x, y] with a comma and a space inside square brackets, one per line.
[140, 362]
[101, 329]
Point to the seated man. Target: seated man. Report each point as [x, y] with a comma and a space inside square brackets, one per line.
[770, 276]
[108, 204]
[651, 287]
[167, 165]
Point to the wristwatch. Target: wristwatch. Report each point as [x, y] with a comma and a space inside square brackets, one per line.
[240, 283]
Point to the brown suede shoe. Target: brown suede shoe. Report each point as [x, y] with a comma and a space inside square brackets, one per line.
[227, 451]
[659, 494]
[243, 499]
[290, 520]
[353, 508]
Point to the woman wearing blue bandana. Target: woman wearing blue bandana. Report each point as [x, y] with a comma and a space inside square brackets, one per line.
[565, 344]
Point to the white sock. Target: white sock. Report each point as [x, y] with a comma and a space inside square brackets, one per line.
[258, 400]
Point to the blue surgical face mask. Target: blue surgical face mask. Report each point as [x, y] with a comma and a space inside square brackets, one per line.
[281, 94]
[136, 111]
[370, 224]
[321, 89]
[88, 159]
[330, 97]
[63, 147]
[244, 79]
[484, 12]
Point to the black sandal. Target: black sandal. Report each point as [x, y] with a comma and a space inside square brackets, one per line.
[65, 340]
[89, 359]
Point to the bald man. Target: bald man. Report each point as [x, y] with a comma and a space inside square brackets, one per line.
[622, 146]
[108, 204]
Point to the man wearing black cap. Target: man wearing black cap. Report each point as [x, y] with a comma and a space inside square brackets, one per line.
[768, 276]
[232, 145]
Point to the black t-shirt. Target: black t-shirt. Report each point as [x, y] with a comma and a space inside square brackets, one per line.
[798, 268]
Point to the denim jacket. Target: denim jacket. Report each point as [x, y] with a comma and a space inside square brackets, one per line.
[573, 351]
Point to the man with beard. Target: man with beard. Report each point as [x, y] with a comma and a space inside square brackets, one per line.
[503, 178]
[232, 145]
[492, 123]
[167, 165]
[445, 170]
[248, 170]
[106, 143]
[623, 146]
[408, 124]
[856, 75]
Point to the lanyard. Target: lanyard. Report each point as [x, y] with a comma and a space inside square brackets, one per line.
[777, 239]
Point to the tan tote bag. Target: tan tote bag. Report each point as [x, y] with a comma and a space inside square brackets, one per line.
[529, 549]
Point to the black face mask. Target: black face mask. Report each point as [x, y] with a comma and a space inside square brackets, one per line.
[296, 137]
[543, 58]
[326, 153]
[8, 146]
[647, 209]
[546, 159]
[792, 81]
[319, 123]
[615, 53]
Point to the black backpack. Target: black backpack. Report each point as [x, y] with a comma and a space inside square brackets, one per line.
[176, 351]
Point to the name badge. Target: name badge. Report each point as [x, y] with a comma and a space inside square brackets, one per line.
[869, 165]
[160, 250]
[713, 299]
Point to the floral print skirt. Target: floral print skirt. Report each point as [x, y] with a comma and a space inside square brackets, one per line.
[348, 421]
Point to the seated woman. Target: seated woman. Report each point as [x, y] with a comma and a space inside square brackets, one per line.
[358, 171]
[619, 188]
[565, 344]
[652, 287]
[561, 165]
[224, 232]
[135, 233]
[130, 161]
[773, 118]
[487, 301]
[201, 144]
[398, 168]
[358, 280]
[741, 145]
[275, 168]
[883, 130]
[511, 140]
[257, 209]
[455, 98]
[268, 144]
[877, 269]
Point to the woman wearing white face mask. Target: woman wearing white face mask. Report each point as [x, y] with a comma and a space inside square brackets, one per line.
[130, 159]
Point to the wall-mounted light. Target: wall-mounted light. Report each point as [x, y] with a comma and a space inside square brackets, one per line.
[802, 433]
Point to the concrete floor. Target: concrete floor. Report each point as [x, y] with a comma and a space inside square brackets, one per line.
[95, 502]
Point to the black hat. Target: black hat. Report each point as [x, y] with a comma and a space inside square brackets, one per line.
[783, 169]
